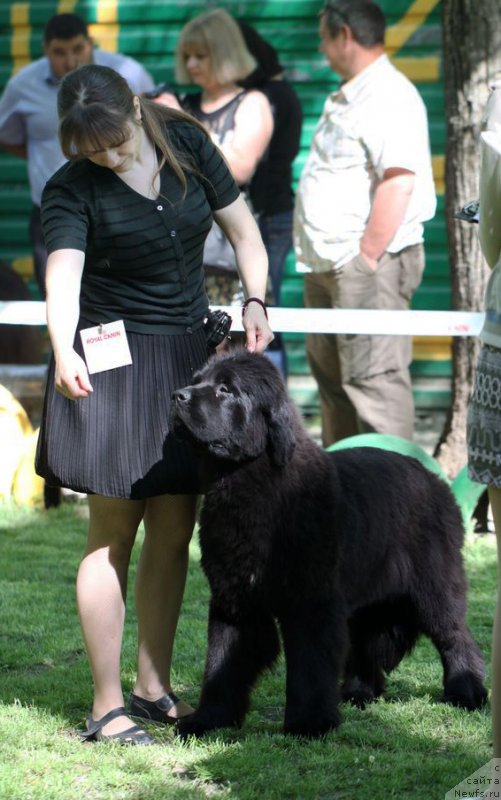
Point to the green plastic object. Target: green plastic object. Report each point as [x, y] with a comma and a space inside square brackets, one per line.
[466, 492]
[397, 444]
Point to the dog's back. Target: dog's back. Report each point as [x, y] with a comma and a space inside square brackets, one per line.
[395, 512]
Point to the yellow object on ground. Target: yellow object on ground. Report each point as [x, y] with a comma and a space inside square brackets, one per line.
[15, 426]
[27, 487]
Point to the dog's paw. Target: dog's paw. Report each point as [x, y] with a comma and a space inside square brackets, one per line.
[357, 693]
[190, 726]
[311, 728]
[198, 724]
[465, 691]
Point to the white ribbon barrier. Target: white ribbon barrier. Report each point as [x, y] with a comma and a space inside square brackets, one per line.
[22, 312]
[309, 320]
[343, 320]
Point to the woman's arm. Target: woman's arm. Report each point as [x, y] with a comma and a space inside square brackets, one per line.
[250, 136]
[64, 274]
[167, 99]
[252, 261]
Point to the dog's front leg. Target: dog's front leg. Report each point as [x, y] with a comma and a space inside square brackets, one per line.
[315, 640]
[238, 651]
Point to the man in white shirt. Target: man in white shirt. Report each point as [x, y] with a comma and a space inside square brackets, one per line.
[365, 190]
[28, 108]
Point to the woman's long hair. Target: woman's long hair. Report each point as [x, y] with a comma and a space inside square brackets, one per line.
[96, 108]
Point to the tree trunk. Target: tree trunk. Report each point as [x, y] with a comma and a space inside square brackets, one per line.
[472, 57]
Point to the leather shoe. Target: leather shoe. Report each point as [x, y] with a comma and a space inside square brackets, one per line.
[133, 735]
[154, 710]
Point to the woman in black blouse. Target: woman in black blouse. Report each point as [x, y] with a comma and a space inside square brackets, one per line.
[125, 222]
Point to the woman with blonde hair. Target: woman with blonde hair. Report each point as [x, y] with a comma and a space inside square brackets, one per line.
[211, 53]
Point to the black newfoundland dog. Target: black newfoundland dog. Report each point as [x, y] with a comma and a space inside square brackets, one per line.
[354, 553]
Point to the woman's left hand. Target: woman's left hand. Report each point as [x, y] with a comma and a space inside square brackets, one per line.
[258, 334]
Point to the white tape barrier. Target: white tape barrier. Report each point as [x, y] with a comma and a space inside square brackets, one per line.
[327, 320]
[306, 320]
[22, 312]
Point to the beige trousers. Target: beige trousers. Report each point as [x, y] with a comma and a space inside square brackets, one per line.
[363, 380]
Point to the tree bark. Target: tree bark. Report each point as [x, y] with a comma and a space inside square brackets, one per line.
[472, 57]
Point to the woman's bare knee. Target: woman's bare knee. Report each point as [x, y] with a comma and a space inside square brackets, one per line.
[113, 524]
[170, 518]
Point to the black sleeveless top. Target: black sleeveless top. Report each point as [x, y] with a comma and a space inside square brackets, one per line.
[219, 122]
[271, 185]
[270, 190]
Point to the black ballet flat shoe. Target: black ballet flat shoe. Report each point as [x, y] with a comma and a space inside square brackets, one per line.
[133, 735]
[154, 710]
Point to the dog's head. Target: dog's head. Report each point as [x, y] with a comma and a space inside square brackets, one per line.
[236, 409]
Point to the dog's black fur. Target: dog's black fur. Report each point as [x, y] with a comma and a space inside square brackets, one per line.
[355, 553]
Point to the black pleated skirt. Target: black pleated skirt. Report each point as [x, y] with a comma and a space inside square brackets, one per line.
[117, 441]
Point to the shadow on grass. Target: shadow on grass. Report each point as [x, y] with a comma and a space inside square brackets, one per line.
[408, 746]
[407, 750]
[42, 657]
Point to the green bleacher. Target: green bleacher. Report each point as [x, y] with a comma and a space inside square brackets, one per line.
[148, 30]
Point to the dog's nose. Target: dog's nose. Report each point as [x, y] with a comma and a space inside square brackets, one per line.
[181, 395]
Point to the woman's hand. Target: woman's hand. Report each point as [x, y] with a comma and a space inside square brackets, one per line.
[258, 333]
[71, 376]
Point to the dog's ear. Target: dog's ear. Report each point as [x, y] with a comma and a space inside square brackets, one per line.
[281, 436]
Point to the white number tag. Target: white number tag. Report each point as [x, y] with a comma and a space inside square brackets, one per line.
[106, 347]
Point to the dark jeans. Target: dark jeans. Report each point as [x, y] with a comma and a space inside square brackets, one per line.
[276, 231]
[39, 251]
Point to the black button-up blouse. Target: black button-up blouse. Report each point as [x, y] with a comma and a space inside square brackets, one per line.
[143, 258]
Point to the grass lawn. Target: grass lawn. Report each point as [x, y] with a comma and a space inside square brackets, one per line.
[407, 746]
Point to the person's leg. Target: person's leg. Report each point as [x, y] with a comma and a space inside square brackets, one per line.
[391, 390]
[276, 230]
[160, 581]
[101, 593]
[339, 418]
[495, 501]
[375, 368]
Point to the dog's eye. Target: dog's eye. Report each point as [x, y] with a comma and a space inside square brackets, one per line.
[222, 389]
